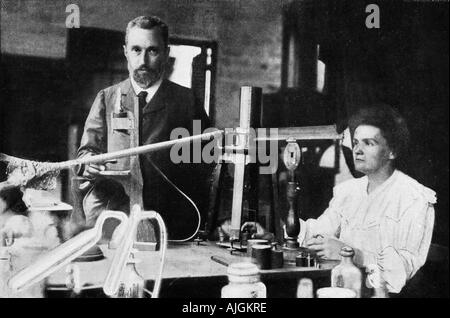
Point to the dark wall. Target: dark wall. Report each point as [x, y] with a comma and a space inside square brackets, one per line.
[404, 63]
[34, 103]
[248, 35]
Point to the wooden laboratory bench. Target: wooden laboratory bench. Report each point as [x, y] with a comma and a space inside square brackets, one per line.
[190, 272]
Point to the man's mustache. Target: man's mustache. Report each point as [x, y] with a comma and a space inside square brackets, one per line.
[144, 69]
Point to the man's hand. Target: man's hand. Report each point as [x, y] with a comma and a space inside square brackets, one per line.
[260, 231]
[326, 247]
[253, 227]
[92, 170]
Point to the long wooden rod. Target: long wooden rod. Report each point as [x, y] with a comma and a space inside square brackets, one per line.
[121, 153]
[301, 133]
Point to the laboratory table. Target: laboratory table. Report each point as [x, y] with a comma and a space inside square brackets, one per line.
[189, 272]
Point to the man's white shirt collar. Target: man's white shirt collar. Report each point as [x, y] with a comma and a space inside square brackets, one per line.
[151, 91]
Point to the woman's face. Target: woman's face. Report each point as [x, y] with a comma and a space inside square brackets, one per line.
[371, 151]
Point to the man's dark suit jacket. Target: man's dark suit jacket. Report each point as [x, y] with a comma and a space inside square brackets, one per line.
[171, 107]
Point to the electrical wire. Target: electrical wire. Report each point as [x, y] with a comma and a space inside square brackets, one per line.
[186, 197]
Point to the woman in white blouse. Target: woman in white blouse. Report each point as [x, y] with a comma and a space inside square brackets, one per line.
[386, 216]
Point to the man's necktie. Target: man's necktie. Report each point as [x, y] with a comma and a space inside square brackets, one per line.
[145, 229]
[142, 102]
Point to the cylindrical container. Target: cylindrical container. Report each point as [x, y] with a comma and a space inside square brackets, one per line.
[305, 288]
[244, 282]
[299, 260]
[252, 242]
[290, 255]
[346, 274]
[305, 259]
[261, 253]
[276, 258]
[335, 292]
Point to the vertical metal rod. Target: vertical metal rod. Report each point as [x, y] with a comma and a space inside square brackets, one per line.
[250, 117]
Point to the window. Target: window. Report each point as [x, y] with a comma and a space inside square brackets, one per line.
[182, 56]
[321, 69]
[193, 65]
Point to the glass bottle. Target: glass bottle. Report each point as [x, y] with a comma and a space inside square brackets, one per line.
[244, 282]
[132, 284]
[5, 272]
[305, 288]
[346, 274]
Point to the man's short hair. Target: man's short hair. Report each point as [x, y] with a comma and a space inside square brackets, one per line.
[148, 23]
[392, 125]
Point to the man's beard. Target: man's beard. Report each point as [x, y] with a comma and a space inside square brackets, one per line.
[145, 76]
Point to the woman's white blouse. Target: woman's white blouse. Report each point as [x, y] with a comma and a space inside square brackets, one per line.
[391, 227]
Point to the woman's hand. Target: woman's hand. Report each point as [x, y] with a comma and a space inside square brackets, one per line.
[325, 247]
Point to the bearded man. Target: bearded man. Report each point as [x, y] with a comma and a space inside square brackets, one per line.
[163, 106]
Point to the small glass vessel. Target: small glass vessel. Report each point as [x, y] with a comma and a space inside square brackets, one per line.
[346, 274]
[132, 284]
[305, 288]
[244, 282]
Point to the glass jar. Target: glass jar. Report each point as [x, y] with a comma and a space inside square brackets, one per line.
[305, 288]
[346, 274]
[132, 284]
[244, 282]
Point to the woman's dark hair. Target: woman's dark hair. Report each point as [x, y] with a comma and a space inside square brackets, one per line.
[392, 125]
